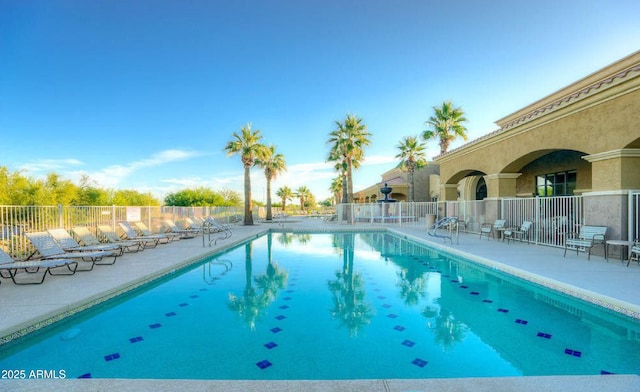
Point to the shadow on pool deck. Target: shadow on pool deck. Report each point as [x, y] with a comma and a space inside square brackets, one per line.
[23, 307]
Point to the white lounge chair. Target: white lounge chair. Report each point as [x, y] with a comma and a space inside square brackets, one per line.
[47, 247]
[112, 236]
[87, 238]
[12, 267]
[183, 233]
[68, 243]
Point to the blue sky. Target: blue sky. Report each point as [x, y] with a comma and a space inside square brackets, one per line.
[145, 94]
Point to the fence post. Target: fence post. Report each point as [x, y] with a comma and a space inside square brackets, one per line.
[630, 216]
[60, 219]
[537, 217]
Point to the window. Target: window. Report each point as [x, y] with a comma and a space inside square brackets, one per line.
[556, 184]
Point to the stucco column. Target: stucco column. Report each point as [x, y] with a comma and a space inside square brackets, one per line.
[615, 170]
[448, 192]
[501, 185]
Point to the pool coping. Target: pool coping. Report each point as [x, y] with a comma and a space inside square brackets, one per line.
[617, 383]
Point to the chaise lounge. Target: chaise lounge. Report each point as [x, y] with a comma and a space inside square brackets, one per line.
[68, 243]
[47, 247]
[87, 238]
[12, 267]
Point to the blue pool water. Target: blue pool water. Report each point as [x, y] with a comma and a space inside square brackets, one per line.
[335, 306]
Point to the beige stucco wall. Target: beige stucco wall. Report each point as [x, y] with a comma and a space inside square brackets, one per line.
[597, 124]
[557, 161]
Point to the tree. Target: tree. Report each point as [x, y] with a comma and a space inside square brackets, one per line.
[302, 192]
[446, 125]
[341, 168]
[194, 197]
[411, 158]
[347, 147]
[285, 193]
[247, 145]
[91, 195]
[336, 189]
[273, 164]
[128, 197]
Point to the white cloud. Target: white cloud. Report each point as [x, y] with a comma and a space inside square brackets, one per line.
[112, 175]
[48, 165]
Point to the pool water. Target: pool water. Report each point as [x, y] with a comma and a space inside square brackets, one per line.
[335, 306]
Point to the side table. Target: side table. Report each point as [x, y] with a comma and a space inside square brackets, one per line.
[620, 243]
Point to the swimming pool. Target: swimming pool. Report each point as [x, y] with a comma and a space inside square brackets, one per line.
[334, 306]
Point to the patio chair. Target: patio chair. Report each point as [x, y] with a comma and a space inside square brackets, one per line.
[112, 236]
[523, 232]
[143, 230]
[47, 247]
[87, 238]
[489, 230]
[150, 240]
[9, 265]
[634, 252]
[183, 233]
[587, 238]
[68, 243]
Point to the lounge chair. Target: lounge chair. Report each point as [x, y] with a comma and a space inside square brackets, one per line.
[150, 240]
[489, 230]
[111, 236]
[31, 267]
[68, 243]
[145, 231]
[587, 238]
[187, 223]
[213, 226]
[49, 249]
[88, 239]
[183, 233]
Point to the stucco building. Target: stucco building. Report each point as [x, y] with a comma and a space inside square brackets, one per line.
[426, 185]
[583, 139]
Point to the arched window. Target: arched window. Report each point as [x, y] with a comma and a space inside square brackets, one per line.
[481, 189]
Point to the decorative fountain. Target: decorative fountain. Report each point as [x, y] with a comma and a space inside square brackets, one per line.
[385, 190]
[384, 206]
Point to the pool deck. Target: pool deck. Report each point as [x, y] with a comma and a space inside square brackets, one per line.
[609, 283]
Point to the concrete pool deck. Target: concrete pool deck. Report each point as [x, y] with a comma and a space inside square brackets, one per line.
[612, 283]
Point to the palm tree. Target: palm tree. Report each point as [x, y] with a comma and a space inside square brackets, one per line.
[336, 188]
[341, 168]
[302, 192]
[411, 158]
[285, 193]
[247, 145]
[273, 164]
[347, 147]
[446, 125]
